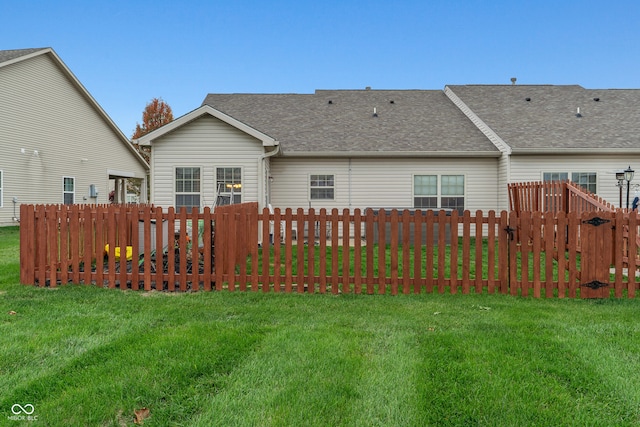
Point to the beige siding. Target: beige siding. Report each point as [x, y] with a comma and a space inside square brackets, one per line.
[531, 168]
[41, 109]
[362, 183]
[504, 164]
[207, 143]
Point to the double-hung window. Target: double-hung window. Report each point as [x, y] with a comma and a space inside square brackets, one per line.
[188, 187]
[229, 185]
[425, 191]
[321, 187]
[439, 192]
[68, 190]
[452, 188]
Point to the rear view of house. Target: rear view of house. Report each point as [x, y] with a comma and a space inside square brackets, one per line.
[57, 145]
[330, 149]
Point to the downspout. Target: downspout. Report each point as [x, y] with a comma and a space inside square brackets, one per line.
[349, 183]
[267, 185]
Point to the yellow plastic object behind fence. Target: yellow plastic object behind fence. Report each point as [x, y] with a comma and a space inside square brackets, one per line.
[116, 251]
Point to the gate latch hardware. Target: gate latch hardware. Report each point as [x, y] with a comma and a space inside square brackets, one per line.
[596, 221]
[595, 284]
[510, 231]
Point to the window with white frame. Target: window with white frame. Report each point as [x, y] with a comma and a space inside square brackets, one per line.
[439, 192]
[555, 176]
[68, 190]
[587, 180]
[229, 185]
[425, 191]
[187, 187]
[321, 187]
[1, 193]
[452, 187]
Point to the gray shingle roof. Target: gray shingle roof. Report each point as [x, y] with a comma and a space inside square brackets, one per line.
[8, 55]
[544, 117]
[335, 121]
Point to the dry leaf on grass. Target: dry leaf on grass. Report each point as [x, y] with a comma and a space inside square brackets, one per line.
[141, 414]
[12, 313]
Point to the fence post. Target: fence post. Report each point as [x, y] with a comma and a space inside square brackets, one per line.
[503, 252]
[27, 249]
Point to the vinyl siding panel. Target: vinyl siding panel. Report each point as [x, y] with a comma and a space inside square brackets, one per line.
[362, 183]
[531, 168]
[41, 109]
[207, 143]
[504, 164]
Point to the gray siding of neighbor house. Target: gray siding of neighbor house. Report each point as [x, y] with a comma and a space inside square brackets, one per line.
[208, 143]
[531, 168]
[376, 182]
[42, 110]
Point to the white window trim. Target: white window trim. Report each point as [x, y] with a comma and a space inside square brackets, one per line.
[1, 188]
[439, 194]
[309, 186]
[64, 191]
[175, 192]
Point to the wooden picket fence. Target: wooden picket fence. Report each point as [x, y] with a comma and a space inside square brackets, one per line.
[381, 251]
[555, 196]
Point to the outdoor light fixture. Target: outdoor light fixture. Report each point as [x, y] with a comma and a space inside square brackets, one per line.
[232, 187]
[628, 176]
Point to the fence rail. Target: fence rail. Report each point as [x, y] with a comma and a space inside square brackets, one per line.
[240, 248]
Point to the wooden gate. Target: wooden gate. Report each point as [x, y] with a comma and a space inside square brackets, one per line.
[596, 245]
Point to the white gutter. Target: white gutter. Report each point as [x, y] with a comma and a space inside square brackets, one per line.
[586, 151]
[388, 154]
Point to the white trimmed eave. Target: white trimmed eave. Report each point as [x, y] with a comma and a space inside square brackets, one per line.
[85, 93]
[478, 122]
[392, 154]
[149, 138]
[575, 151]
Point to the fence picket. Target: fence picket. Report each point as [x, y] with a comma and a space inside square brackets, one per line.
[311, 258]
[466, 250]
[346, 262]
[357, 251]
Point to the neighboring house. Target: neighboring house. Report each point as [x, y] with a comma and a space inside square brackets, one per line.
[331, 149]
[452, 149]
[550, 132]
[57, 144]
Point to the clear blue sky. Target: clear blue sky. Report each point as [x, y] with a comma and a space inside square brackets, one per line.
[128, 52]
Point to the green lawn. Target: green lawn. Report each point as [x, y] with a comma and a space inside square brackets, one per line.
[83, 355]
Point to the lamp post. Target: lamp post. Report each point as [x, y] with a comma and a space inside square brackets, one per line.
[628, 176]
[620, 179]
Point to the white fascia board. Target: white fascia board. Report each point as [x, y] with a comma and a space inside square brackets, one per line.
[394, 154]
[575, 151]
[477, 121]
[148, 139]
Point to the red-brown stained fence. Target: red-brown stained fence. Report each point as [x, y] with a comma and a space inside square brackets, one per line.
[555, 196]
[239, 248]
